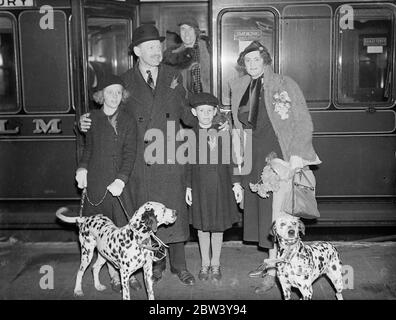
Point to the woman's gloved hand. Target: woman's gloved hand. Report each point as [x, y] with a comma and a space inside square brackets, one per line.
[81, 177]
[116, 187]
[296, 163]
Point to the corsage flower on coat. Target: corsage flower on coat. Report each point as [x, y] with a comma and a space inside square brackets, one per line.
[282, 104]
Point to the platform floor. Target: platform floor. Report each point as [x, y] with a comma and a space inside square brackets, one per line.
[369, 274]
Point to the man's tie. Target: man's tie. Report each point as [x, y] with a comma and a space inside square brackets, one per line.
[150, 80]
[255, 88]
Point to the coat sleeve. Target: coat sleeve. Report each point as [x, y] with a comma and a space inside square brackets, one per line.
[128, 150]
[87, 151]
[302, 126]
[186, 116]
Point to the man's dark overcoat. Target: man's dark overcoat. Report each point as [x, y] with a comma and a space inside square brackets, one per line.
[166, 182]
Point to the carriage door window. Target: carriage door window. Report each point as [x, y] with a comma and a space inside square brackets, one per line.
[306, 50]
[365, 53]
[45, 64]
[108, 43]
[8, 86]
[238, 30]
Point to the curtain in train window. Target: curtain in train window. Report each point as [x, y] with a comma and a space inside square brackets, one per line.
[44, 63]
[306, 51]
[238, 30]
[108, 43]
[365, 53]
[8, 87]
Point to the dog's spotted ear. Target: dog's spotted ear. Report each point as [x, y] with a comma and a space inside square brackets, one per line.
[301, 227]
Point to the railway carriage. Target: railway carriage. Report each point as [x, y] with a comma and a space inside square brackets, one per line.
[341, 53]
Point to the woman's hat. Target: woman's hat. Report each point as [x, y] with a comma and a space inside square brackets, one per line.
[190, 21]
[108, 80]
[254, 46]
[143, 33]
[199, 99]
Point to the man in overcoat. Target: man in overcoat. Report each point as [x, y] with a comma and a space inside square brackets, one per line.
[157, 101]
[160, 106]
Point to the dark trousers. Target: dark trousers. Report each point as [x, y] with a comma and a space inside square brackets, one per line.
[177, 258]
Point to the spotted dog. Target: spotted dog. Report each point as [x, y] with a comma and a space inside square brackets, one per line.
[299, 265]
[127, 248]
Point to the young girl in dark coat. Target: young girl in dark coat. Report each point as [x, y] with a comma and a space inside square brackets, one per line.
[108, 158]
[210, 185]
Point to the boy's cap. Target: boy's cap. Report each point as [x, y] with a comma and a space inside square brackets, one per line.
[108, 80]
[199, 99]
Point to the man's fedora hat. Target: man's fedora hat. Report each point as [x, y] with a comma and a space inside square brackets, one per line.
[143, 33]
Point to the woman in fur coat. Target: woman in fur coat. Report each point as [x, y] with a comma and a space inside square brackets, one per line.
[191, 57]
[274, 110]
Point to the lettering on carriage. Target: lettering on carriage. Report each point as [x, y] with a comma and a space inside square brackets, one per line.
[16, 3]
[5, 130]
[51, 127]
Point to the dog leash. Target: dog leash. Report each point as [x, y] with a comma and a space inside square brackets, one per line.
[160, 249]
[123, 208]
[83, 195]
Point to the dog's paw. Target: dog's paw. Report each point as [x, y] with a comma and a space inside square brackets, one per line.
[78, 293]
[100, 287]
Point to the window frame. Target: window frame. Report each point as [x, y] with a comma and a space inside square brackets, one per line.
[68, 63]
[337, 67]
[14, 23]
[95, 15]
[275, 57]
[281, 46]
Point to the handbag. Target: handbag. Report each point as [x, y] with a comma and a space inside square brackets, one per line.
[301, 201]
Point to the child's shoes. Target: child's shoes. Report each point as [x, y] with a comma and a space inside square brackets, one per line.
[216, 273]
[203, 274]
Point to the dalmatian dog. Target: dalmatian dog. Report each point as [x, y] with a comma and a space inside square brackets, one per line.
[299, 265]
[127, 248]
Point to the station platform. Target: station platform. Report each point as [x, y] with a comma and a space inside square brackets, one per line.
[369, 274]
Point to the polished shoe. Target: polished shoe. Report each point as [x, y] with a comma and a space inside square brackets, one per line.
[216, 273]
[116, 285]
[157, 275]
[267, 284]
[259, 272]
[185, 277]
[203, 274]
[135, 284]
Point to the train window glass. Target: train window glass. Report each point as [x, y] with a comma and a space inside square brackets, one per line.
[44, 62]
[8, 84]
[364, 52]
[306, 51]
[167, 16]
[238, 30]
[108, 43]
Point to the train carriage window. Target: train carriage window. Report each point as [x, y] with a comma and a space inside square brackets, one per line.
[238, 30]
[8, 85]
[108, 43]
[365, 52]
[306, 51]
[44, 63]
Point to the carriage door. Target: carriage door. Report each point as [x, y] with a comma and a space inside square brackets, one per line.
[108, 36]
[235, 30]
